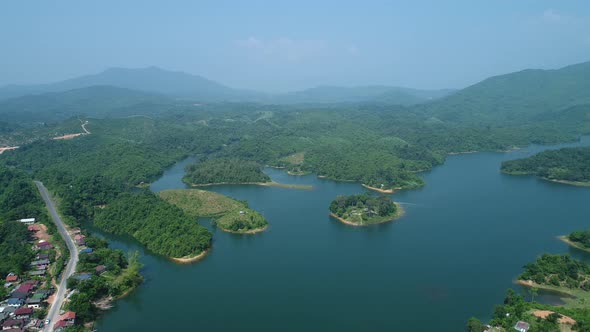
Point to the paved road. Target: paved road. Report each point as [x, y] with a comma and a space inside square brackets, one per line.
[70, 268]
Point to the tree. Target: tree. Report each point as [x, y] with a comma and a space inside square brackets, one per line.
[474, 325]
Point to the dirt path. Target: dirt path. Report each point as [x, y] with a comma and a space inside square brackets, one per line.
[70, 136]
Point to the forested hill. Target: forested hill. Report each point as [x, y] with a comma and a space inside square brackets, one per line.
[151, 79]
[95, 101]
[515, 97]
[568, 164]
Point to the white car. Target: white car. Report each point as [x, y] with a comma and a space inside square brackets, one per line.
[47, 321]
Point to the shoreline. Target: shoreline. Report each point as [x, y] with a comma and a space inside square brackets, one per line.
[400, 212]
[571, 183]
[559, 290]
[264, 184]
[8, 148]
[464, 152]
[192, 259]
[383, 191]
[251, 231]
[566, 240]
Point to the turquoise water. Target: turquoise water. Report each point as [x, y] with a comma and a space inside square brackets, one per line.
[464, 238]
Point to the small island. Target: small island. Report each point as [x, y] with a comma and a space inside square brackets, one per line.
[578, 239]
[229, 215]
[568, 165]
[365, 209]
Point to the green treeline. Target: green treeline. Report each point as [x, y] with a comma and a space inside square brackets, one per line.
[225, 170]
[559, 271]
[581, 237]
[242, 221]
[158, 225]
[364, 208]
[568, 164]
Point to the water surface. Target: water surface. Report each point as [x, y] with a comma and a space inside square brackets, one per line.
[463, 239]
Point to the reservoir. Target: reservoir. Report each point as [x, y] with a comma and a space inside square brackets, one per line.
[464, 238]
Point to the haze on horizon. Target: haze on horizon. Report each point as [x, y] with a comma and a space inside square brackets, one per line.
[283, 46]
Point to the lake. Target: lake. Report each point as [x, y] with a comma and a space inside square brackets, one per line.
[464, 238]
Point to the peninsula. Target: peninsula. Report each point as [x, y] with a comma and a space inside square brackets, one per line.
[230, 215]
[568, 166]
[364, 209]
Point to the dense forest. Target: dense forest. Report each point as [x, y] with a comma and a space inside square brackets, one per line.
[225, 170]
[364, 208]
[568, 164]
[558, 271]
[161, 227]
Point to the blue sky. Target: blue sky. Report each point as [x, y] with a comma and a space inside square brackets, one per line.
[286, 45]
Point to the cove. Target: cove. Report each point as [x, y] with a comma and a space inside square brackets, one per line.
[463, 239]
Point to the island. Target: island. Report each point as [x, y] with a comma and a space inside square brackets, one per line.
[365, 209]
[229, 215]
[567, 165]
[578, 239]
[389, 180]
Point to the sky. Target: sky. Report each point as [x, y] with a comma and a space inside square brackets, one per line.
[279, 45]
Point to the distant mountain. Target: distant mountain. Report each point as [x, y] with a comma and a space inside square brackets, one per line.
[517, 96]
[97, 101]
[376, 93]
[151, 79]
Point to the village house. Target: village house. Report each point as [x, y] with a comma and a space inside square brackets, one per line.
[42, 256]
[34, 228]
[44, 245]
[23, 313]
[38, 273]
[13, 324]
[80, 239]
[27, 221]
[65, 320]
[41, 262]
[15, 302]
[100, 269]
[86, 251]
[34, 303]
[522, 326]
[12, 277]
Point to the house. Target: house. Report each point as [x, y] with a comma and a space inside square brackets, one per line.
[19, 295]
[27, 221]
[522, 326]
[34, 303]
[34, 228]
[69, 317]
[42, 256]
[23, 313]
[44, 245]
[60, 325]
[40, 262]
[80, 239]
[86, 251]
[76, 230]
[38, 273]
[100, 269]
[13, 324]
[4, 316]
[15, 302]
[82, 276]
[12, 277]
[22, 329]
[25, 288]
[7, 310]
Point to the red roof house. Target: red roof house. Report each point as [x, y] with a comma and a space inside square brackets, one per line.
[23, 312]
[25, 288]
[68, 316]
[12, 278]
